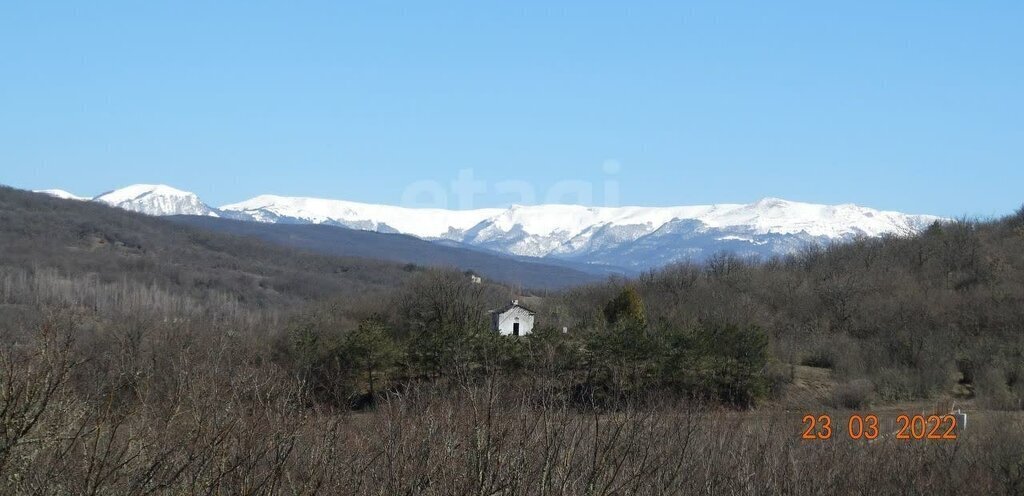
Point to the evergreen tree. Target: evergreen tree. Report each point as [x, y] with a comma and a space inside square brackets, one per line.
[627, 306]
[369, 348]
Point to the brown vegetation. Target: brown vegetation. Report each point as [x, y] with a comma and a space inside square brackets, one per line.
[139, 357]
[187, 413]
[894, 319]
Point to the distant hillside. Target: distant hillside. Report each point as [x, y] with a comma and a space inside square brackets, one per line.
[84, 241]
[333, 240]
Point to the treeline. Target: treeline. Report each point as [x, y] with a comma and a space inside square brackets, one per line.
[940, 313]
[437, 329]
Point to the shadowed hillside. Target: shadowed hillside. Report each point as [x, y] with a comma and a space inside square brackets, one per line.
[68, 239]
[332, 240]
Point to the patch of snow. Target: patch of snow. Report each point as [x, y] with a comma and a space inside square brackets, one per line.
[60, 193]
[421, 222]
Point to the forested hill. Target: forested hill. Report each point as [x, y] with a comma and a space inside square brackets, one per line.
[78, 246]
[333, 240]
[895, 318]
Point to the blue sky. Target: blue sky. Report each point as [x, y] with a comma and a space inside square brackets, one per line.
[914, 107]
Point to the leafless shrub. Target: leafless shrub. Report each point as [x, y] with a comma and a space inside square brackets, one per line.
[230, 424]
[853, 394]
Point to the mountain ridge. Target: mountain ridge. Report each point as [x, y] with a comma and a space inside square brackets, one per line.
[156, 199]
[635, 237]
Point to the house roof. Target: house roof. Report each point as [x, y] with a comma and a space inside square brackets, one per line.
[510, 306]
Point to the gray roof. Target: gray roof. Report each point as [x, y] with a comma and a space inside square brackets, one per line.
[510, 306]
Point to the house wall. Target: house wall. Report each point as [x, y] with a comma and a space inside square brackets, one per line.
[506, 321]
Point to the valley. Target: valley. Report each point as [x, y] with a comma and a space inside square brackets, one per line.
[293, 353]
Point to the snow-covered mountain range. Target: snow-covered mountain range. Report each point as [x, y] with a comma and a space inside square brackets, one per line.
[631, 237]
[150, 199]
[156, 199]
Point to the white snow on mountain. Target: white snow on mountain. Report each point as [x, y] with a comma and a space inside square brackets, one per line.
[59, 193]
[777, 216]
[156, 199]
[420, 222]
[770, 225]
[767, 216]
[630, 237]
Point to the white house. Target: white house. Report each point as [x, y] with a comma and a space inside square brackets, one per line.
[512, 320]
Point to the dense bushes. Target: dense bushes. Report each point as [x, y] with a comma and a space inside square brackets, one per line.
[440, 333]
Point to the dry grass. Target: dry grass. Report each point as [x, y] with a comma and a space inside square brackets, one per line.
[215, 424]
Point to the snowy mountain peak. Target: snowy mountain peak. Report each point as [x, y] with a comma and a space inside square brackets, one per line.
[136, 191]
[770, 202]
[156, 199]
[777, 216]
[631, 237]
[59, 193]
[625, 236]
